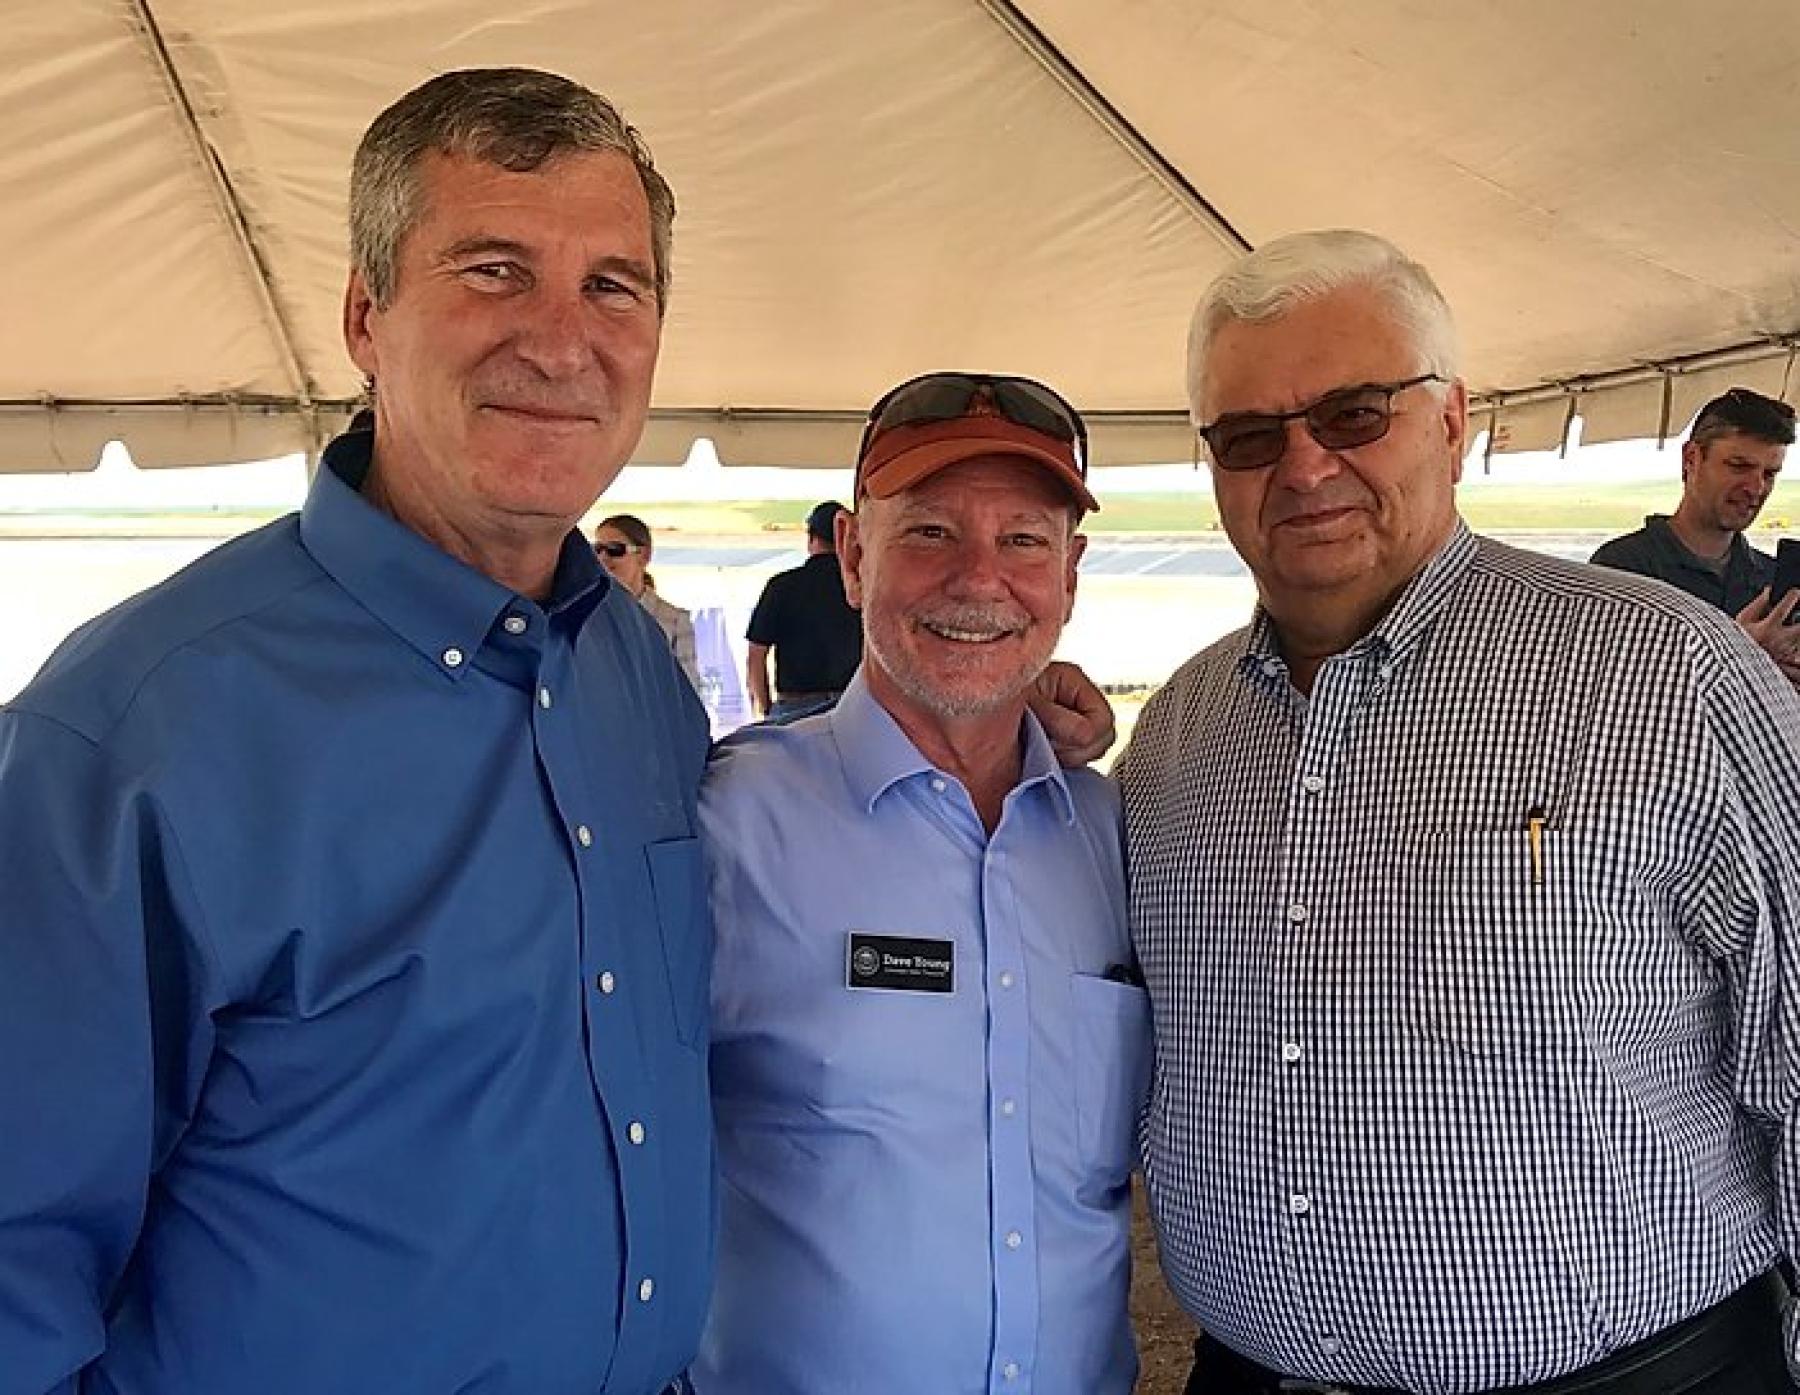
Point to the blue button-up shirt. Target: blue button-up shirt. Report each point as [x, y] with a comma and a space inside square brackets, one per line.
[921, 1191]
[353, 957]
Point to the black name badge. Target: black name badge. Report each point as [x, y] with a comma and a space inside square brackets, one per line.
[899, 964]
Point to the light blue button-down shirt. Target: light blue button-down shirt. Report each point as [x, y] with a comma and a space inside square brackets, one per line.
[353, 960]
[922, 1192]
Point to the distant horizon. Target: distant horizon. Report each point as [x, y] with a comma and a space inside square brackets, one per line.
[280, 484]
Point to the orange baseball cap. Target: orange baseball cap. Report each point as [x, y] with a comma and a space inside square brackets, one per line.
[897, 456]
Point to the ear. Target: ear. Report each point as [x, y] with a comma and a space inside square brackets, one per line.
[847, 533]
[1077, 548]
[1456, 426]
[1690, 457]
[359, 309]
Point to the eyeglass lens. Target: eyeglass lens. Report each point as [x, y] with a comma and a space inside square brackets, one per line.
[1357, 416]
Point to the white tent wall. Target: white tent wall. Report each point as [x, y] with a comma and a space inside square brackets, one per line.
[869, 191]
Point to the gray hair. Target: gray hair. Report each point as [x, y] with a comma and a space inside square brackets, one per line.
[1286, 273]
[516, 118]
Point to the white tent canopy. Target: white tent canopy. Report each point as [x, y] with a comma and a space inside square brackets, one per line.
[1608, 191]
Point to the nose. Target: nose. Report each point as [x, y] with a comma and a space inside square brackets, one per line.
[977, 570]
[553, 337]
[1305, 465]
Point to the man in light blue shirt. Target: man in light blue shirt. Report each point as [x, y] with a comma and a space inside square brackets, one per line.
[353, 943]
[930, 1046]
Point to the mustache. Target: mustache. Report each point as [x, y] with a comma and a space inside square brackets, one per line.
[977, 619]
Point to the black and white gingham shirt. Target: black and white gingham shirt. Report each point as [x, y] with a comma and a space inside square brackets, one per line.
[1421, 1119]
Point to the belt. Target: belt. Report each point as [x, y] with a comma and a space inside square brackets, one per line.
[1744, 1328]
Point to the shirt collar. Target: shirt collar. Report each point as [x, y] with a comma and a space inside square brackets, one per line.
[877, 755]
[1407, 621]
[431, 600]
[1663, 532]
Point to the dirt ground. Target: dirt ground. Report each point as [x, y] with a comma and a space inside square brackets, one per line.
[1165, 1335]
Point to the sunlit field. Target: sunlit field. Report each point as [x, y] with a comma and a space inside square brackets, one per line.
[1160, 581]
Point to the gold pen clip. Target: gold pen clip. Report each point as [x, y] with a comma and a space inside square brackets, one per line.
[1535, 818]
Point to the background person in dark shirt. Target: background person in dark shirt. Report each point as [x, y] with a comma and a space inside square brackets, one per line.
[1728, 469]
[816, 634]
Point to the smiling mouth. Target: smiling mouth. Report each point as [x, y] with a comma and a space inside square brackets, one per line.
[541, 414]
[961, 636]
[1315, 520]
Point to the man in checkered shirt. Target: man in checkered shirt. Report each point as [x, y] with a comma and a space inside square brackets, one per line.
[1466, 886]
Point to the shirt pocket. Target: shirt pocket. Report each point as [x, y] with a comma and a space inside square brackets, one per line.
[684, 925]
[1492, 947]
[1112, 1073]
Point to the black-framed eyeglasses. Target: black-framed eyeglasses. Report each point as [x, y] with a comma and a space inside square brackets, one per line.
[616, 550]
[947, 396]
[1340, 420]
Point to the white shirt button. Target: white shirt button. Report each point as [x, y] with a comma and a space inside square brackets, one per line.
[605, 983]
[938, 784]
[1297, 912]
[636, 1132]
[1009, 1107]
[646, 1291]
[1010, 1370]
[1014, 1239]
[584, 835]
[453, 657]
[1312, 784]
[1006, 980]
[543, 697]
[1290, 1051]
[1299, 1204]
[1331, 1346]
[516, 624]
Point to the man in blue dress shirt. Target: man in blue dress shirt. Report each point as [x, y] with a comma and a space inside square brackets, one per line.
[353, 946]
[930, 1046]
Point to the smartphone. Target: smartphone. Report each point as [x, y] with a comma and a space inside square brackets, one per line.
[1787, 573]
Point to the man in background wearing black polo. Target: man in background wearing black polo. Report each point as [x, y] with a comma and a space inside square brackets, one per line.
[815, 633]
[1729, 465]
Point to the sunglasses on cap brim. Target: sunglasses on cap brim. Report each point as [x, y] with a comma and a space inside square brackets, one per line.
[947, 396]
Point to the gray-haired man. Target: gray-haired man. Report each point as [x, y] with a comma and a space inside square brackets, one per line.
[1466, 886]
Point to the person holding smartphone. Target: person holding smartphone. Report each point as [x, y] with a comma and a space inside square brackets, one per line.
[1729, 465]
